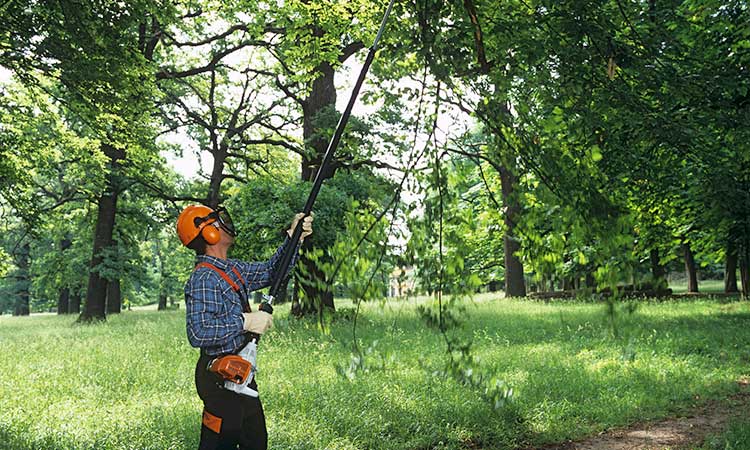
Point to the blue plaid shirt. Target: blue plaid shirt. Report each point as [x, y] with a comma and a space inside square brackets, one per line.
[214, 308]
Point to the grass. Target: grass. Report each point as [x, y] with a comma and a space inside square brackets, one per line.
[736, 437]
[128, 383]
[704, 286]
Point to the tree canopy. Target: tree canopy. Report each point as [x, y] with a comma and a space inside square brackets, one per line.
[526, 145]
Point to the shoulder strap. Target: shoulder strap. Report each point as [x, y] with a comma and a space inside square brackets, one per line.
[245, 300]
[239, 276]
[220, 272]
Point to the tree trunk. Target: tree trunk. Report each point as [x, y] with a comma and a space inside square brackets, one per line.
[22, 282]
[96, 294]
[590, 280]
[730, 272]
[114, 297]
[217, 176]
[63, 301]
[690, 269]
[322, 98]
[162, 305]
[515, 286]
[162, 302]
[658, 271]
[744, 260]
[74, 307]
[64, 298]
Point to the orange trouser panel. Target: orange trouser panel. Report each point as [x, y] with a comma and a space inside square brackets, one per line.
[211, 422]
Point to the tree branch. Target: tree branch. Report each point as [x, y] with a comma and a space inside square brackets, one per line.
[471, 9]
[276, 142]
[208, 40]
[165, 73]
[230, 176]
[349, 50]
[370, 163]
[164, 196]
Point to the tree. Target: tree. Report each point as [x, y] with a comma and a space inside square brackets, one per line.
[221, 89]
[456, 50]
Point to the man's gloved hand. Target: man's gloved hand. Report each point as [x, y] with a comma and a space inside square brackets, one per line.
[306, 225]
[257, 321]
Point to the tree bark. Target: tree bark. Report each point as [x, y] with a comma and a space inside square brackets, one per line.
[64, 298]
[658, 271]
[162, 305]
[96, 294]
[322, 97]
[730, 271]
[744, 260]
[162, 302]
[63, 301]
[690, 269]
[22, 282]
[217, 176]
[74, 307]
[114, 297]
[515, 286]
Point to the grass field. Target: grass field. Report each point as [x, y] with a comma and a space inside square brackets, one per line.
[704, 286]
[128, 383]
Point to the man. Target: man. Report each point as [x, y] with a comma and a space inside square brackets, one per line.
[219, 322]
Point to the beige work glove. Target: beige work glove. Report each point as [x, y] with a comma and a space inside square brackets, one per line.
[257, 322]
[306, 225]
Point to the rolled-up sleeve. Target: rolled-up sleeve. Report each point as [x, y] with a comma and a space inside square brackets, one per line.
[260, 274]
[209, 322]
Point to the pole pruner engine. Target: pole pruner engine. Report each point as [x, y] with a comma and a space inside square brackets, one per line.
[238, 370]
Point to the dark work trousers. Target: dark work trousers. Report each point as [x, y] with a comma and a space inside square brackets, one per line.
[230, 420]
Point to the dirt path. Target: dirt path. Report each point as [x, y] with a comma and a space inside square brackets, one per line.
[686, 431]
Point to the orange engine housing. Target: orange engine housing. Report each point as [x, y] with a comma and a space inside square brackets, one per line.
[232, 368]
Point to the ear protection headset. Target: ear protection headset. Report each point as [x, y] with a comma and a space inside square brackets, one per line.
[210, 233]
[200, 220]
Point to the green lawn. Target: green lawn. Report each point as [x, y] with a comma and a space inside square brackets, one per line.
[128, 383]
[704, 286]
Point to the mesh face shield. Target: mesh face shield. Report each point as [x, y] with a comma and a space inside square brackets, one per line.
[225, 220]
[221, 219]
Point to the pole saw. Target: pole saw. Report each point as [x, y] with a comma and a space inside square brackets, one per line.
[239, 370]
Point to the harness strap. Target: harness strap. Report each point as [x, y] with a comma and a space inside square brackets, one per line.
[237, 272]
[235, 286]
[222, 274]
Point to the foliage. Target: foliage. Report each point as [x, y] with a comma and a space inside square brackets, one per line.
[263, 209]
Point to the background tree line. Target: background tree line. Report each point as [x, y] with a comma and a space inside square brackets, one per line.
[557, 144]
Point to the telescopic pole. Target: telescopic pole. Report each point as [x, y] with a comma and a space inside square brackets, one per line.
[286, 257]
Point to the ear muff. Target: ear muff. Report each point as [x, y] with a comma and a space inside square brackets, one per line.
[210, 233]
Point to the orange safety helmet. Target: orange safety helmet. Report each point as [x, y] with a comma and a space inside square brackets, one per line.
[195, 220]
